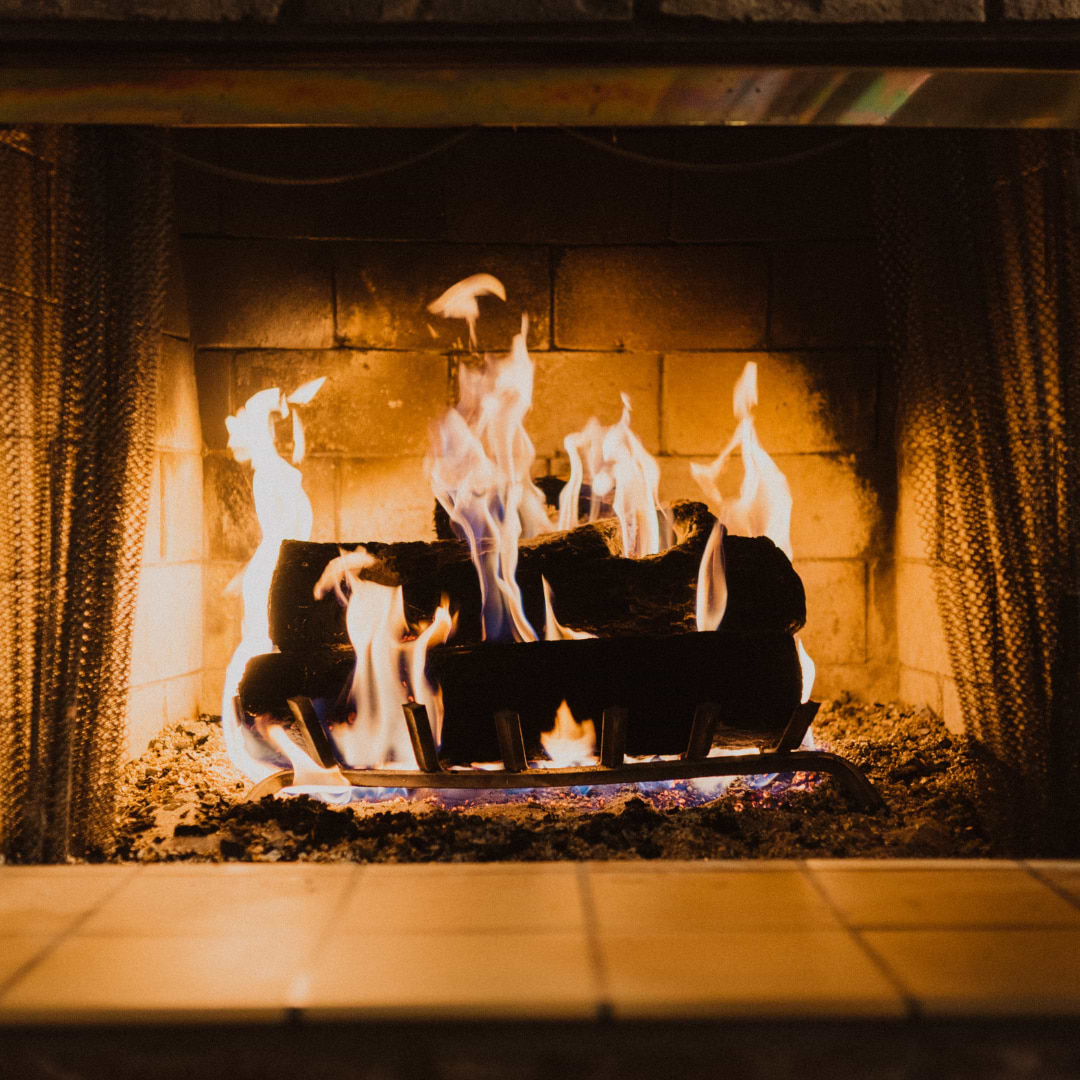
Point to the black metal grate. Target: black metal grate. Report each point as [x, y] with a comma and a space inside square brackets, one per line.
[981, 265]
[84, 218]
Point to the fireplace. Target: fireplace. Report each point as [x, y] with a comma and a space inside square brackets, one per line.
[680, 269]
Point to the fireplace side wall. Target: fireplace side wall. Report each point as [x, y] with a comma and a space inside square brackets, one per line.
[634, 279]
[166, 670]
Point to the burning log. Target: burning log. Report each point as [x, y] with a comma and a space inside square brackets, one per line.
[660, 681]
[595, 589]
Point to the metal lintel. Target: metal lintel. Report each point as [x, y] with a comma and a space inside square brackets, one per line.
[438, 95]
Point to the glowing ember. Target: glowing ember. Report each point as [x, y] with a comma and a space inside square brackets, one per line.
[284, 513]
[389, 668]
[623, 478]
[568, 742]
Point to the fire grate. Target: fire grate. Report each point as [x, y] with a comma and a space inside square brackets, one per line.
[783, 756]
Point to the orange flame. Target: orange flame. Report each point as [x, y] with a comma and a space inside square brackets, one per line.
[480, 466]
[459, 301]
[389, 669]
[568, 742]
[284, 513]
[553, 629]
[762, 508]
[623, 476]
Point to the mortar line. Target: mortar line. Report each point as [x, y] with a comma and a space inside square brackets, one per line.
[69, 931]
[910, 1001]
[604, 1006]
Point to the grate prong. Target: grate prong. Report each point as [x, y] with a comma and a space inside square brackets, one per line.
[421, 737]
[316, 741]
[511, 741]
[702, 731]
[613, 737]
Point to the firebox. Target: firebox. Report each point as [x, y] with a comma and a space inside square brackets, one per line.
[461, 457]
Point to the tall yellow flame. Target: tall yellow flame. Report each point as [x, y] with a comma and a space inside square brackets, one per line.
[284, 513]
[762, 508]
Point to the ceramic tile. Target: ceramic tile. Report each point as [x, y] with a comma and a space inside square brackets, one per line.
[782, 973]
[694, 902]
[524, 976]
[692, 866]
[1007, 896]
[985, 972]
[911, 864]
[17, 951]
[389, 902]
[1065, 875]
[88, 979]
[50, 899]
[276, 905]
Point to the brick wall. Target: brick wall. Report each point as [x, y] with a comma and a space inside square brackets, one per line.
[166, 668]
[634, 279]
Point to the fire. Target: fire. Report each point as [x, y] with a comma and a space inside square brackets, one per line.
[553, 629]
[568, 742]
[284, 513]
[622, 477]
[390, 668]
[762, 508]
[459, 301]
[480, 468]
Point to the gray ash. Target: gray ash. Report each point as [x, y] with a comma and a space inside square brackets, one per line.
[184, 800]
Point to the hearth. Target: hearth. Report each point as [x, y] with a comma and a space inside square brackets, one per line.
[663, 414]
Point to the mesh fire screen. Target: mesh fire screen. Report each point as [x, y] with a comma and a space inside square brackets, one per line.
[980, 240]
[83, 246]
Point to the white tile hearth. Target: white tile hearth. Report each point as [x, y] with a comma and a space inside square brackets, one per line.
[188, 943]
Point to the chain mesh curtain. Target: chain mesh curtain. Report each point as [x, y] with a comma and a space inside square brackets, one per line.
[83, 247]
[981, 263]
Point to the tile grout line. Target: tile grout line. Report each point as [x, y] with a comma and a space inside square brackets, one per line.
[604, 1007]
[69, 931]
[1052, 885]
[294, 1014]
[911, 1003]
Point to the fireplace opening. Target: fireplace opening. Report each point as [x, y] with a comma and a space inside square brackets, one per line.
[544, 452]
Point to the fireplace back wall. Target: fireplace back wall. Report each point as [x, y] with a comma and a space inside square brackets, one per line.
[639, 279]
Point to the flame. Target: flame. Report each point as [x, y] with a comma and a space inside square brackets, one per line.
[459, 301]
[623, 479]
[712, 590]
[568, 742]
[480, 466]
[390, 669]
[553, 629]
[306, 771]
[284, 513]
[762, 508]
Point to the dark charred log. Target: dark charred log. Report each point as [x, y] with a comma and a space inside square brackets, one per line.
[755, 679]
[595, 588]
